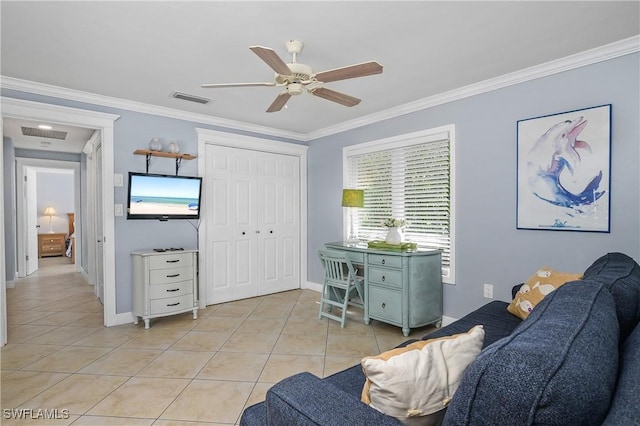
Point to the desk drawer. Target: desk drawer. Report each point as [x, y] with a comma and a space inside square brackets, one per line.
[164, 276]
[160, 291]
[171, 304]
[384, 260]
[172, 260]
[355, 257]
[386, 277]
[385, 304]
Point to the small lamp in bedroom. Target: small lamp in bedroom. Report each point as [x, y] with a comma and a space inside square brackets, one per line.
[50, 211]
[352, 198]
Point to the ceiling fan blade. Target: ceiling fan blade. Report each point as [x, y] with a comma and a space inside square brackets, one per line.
[279, 102]
[334, 96]
[352, 71]
[272, 59]
[215, 85]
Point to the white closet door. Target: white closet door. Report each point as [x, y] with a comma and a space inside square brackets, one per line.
[278, 222]
[231, 224]
[252, 209]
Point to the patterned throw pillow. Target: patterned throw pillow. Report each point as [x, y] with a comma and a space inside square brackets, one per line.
[543, 282]
[415, 384]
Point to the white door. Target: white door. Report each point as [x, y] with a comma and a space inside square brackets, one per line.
[252, 223]
[231, 224]
[31, 208]
[278, 222]
[99, 289]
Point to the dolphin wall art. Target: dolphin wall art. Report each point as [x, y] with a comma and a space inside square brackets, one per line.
[564, 170]
[556, 150]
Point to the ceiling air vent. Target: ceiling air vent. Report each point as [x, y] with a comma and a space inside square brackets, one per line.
[190, 98]
[40, 133]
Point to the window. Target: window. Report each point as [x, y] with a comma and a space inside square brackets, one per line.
[407, 177]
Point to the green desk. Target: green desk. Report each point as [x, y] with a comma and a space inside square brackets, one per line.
[402, 288]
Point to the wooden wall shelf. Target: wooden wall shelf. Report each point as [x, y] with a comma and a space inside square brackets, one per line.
[179, 157]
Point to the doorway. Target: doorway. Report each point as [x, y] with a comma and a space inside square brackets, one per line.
[102, 122]
[57, 185]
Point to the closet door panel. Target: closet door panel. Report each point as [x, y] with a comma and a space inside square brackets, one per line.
[231, 224]
[279, 218]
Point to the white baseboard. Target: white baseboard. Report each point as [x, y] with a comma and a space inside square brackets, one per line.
[312, 286]
[124, 318]
[12, 283]
[448, 320]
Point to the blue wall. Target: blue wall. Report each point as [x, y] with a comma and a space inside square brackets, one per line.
[489, 249]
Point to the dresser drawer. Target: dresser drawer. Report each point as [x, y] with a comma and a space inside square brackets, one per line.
[160, 291]
[174, 275]
[384, 260]
[385, 304]
[171, 304]
[385, 277]
[172, 260]
[51, 247]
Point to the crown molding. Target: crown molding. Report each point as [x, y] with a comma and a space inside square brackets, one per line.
[592, 56]
[126, 104]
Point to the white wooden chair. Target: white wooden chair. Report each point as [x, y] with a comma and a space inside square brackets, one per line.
[341, 287]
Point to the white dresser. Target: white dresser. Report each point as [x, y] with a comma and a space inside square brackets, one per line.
[164, 283]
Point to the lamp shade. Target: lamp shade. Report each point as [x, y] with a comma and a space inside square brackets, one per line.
[49, 211]
[352, 198]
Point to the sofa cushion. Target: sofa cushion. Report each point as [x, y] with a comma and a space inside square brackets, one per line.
[542, 282]
[621, 275]
[558, 367]
[625, 409]
[494, 318]
[306, 400]
[417, 381]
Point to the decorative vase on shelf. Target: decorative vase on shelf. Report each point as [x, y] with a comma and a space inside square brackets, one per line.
[394, 236]
[174, 147]
[155, 145]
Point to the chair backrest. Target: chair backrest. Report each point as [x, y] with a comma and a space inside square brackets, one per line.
[337, 266]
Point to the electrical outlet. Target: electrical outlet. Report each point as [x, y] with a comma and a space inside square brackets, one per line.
[488, 291]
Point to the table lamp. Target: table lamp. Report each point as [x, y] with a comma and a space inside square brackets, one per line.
[352, 198]
[50, 211]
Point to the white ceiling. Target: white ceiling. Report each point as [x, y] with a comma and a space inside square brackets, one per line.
[144, 51]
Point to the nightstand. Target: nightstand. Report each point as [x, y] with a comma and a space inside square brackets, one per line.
[51, 244]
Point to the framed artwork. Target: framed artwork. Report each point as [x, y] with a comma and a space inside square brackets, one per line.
[564, 168]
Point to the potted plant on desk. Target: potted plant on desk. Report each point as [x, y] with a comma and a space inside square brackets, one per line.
[394, 226]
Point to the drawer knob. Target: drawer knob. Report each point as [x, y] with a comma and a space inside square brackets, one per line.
[383, 278]
[383, 261]
[244, 233]
[384, 305]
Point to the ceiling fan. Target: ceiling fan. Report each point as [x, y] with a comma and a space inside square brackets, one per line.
[296, 77]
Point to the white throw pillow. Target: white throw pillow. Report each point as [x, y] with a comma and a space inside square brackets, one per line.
[415, 384]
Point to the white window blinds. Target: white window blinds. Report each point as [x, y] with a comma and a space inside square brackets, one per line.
[407, 178]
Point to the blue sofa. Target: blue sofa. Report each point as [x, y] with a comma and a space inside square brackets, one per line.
[574, 361]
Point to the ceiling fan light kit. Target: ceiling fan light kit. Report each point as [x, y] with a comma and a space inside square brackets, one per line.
[296, 77]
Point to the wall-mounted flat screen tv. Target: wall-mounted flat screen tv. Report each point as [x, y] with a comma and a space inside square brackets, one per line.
[163, 197]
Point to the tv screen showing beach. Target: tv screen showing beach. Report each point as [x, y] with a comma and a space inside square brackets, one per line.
[156, 196]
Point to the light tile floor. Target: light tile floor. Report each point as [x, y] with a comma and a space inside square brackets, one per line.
[181, 371]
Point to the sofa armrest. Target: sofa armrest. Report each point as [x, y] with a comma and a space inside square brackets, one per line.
[304, 399]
